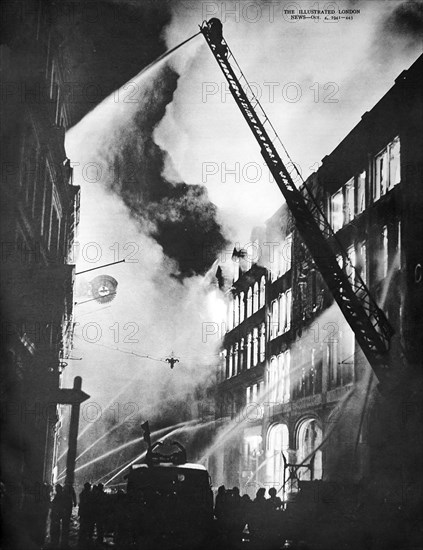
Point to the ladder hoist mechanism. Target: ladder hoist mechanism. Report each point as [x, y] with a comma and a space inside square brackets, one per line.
[367, 320]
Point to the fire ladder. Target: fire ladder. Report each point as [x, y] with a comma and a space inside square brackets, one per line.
[368, 322]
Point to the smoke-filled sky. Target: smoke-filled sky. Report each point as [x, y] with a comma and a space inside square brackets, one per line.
[171, 176]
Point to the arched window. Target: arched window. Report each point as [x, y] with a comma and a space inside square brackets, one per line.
[262, 296]
[256, 297]
[255, 347]
[236, 359]
[241, 355]
[277, 444]
[309, 438]
[262, 342]
[249, 338]
[249, 302]
[288, 308]
[241, 307]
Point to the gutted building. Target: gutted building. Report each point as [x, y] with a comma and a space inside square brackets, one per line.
[295, 386]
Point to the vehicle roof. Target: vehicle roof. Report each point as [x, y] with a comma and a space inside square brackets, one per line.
[186, 466]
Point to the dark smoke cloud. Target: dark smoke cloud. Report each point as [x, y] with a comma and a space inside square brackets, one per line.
[179, 216]
[407, 21]
[106, 42]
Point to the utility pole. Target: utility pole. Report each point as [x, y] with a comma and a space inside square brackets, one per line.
[74, 397]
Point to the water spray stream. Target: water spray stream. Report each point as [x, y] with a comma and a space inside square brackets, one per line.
[127, 444]
[90, 425]
[165, 54]
[173, 432]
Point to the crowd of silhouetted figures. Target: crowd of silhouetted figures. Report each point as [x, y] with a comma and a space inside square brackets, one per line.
[239, 518]
[236, 518]
[99, 513]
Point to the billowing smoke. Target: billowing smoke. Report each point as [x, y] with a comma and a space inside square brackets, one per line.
[152, 154]
[314, 80]
[170, 236]
[406, 21]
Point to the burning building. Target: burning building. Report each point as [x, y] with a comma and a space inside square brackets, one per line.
[294, 384]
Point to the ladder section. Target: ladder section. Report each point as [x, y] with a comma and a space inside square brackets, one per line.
[367, 320]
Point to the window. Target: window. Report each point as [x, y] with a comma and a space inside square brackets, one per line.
[386, 169]
[262, 342]
[262, 291]
[394, 163]
[252, 448]
[241, 307]
[349, 201]
[274, 320]
[285, 256]
[236, 270]
[256, 297]
[381, 174]
[282, 313]
[288, 309]
[277, 443]
[361, 192]
[316, 365]
[236, 359]
[309, 438]
[241, 355]
[286, 391]
[288, 252]
[249, 302]
[249, 338]
[384, 253]
[255, 347]
[351, 264]
[337, 211]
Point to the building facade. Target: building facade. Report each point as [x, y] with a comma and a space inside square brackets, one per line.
[39, 215]
[293, 383]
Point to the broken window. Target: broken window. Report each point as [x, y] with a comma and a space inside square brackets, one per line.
[349, 201]
[394, 163]
[361, 192]
[337, 211]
